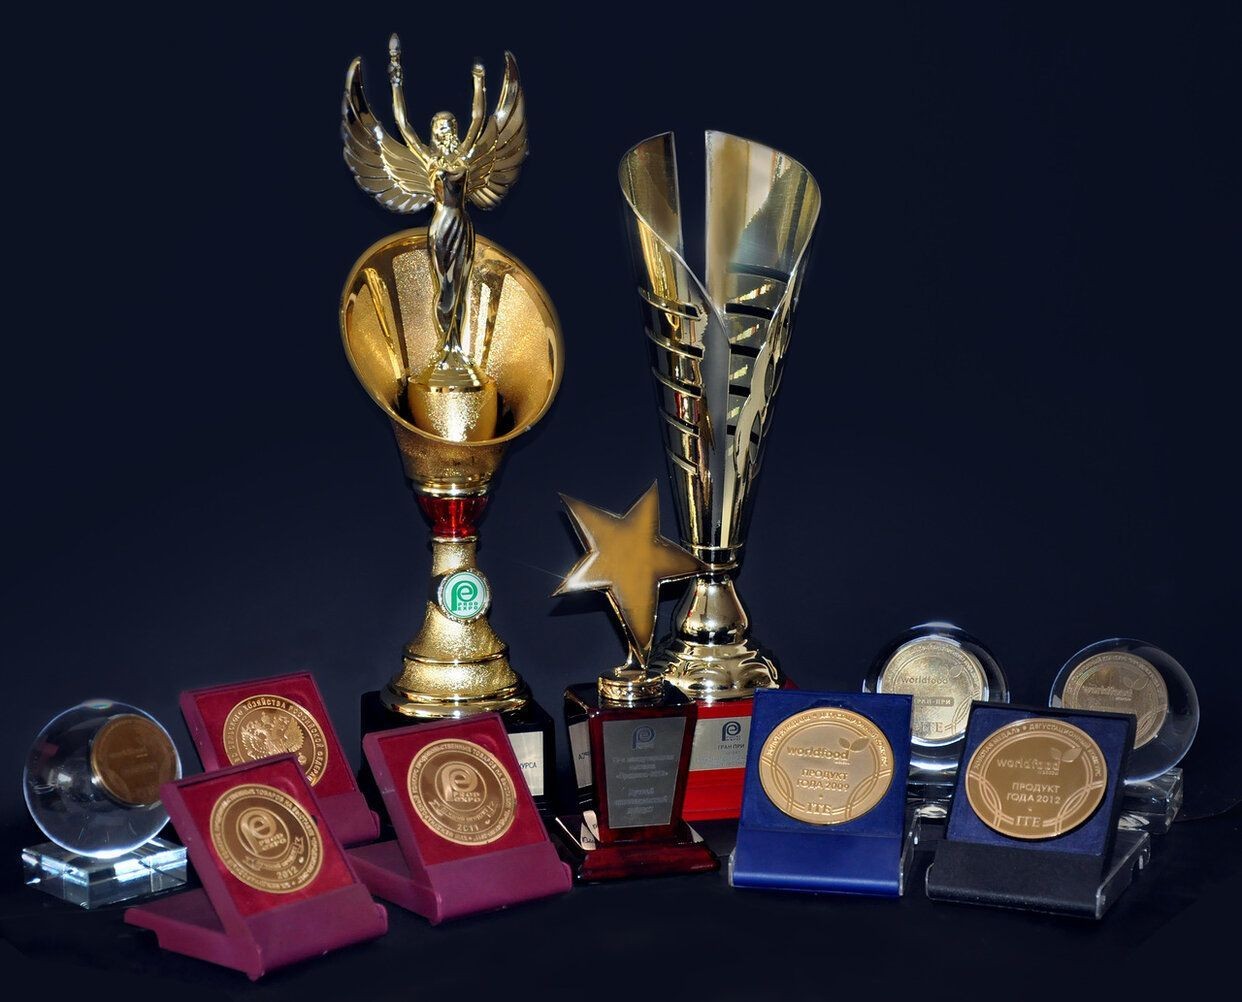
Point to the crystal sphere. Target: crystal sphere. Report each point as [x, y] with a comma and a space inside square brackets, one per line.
[92, 778]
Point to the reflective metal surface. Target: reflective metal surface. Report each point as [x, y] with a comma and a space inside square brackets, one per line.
[459, 345]
[717, 348]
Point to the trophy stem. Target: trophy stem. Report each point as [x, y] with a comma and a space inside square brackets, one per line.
[710, 654]
[456, 665]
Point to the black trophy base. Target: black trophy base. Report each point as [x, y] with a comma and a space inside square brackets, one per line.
[1057, 883]
[531, 731]
[592, 862]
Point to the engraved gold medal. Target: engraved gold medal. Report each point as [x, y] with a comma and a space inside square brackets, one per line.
[265, 725]
[943, 677]
[265, 839]
[131, 757]
[1036, 778]
[826, 766]
[462, 792]
[1120, 682]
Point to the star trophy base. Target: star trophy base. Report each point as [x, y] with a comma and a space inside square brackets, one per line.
[591, 862]
[152, 868]
[1152, 805]
[530, 731]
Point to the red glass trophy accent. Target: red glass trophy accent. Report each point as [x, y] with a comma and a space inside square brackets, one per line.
[469, 837]
[246, 721]
[277, 885]
[452, 517]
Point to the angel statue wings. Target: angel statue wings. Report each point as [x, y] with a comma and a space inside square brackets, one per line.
[447, 173]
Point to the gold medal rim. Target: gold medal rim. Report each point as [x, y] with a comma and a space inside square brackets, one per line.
[971, 662]
[972, 772]
[508, 791]
[792, 724]
[99, 752]
[306, 720]
[299, 813]
[1142, 736]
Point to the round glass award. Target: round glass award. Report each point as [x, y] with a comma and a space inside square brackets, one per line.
[93, 776]
[945, 669]
[1131, 676]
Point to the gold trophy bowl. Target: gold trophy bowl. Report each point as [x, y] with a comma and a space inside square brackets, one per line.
[456, 665]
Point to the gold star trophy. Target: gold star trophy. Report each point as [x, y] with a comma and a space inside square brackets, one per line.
[460, 347]
[630, 732]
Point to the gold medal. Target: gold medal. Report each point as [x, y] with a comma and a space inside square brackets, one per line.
[943, 677]
[462, 792]
[1036, 778]
[131, 757]
[826, 766]
[265, 839]
[1120, 682]
[266, 725]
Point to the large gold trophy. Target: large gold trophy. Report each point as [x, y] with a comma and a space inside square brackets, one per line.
[459, 345]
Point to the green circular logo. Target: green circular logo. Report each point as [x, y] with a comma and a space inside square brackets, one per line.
[464, 595]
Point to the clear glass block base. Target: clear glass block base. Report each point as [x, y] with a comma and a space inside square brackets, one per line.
[153, 867]
[1152, 804]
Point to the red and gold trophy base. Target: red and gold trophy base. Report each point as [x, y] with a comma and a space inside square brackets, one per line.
[446, 862]
[308, 903]
[718, 759]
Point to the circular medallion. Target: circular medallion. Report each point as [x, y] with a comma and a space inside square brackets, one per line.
[266, 725]
[265, 839]
[464, 595]
[462, 792]
[943, 677]
[131, 757]
[826, 766]
[1120, 682]
[1036, 778]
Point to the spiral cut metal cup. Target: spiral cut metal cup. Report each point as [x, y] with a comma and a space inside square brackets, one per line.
[455, 665]
[717, 348]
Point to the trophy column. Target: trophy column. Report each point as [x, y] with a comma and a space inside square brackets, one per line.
[717, 348]
[460, 347]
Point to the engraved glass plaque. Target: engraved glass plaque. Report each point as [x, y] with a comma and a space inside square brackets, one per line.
[642, 759]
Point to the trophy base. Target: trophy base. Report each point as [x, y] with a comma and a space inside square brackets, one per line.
[593, 862]
[718, 672]
[530, 729]
[1152, 805]
[152, 868]
[718, 758]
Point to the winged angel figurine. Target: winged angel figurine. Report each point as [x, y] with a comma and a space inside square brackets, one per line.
[451, 171]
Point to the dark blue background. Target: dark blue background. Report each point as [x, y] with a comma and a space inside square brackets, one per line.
[1010, 399]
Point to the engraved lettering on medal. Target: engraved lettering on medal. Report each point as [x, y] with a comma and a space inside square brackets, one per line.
[265, 725]
[266, 839]
[944, 678]
[462, 792]
[1120, 682]
[826, 766]
[1036, 778]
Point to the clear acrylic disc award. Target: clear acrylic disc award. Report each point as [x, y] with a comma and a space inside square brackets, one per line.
[91, 782]
[1122, 675]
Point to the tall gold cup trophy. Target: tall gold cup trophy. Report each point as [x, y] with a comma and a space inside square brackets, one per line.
[717, 348]
[460, 347]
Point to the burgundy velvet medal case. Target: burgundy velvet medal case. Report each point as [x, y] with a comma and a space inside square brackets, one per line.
[245, 721]
[433, 867]
[277, 885]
